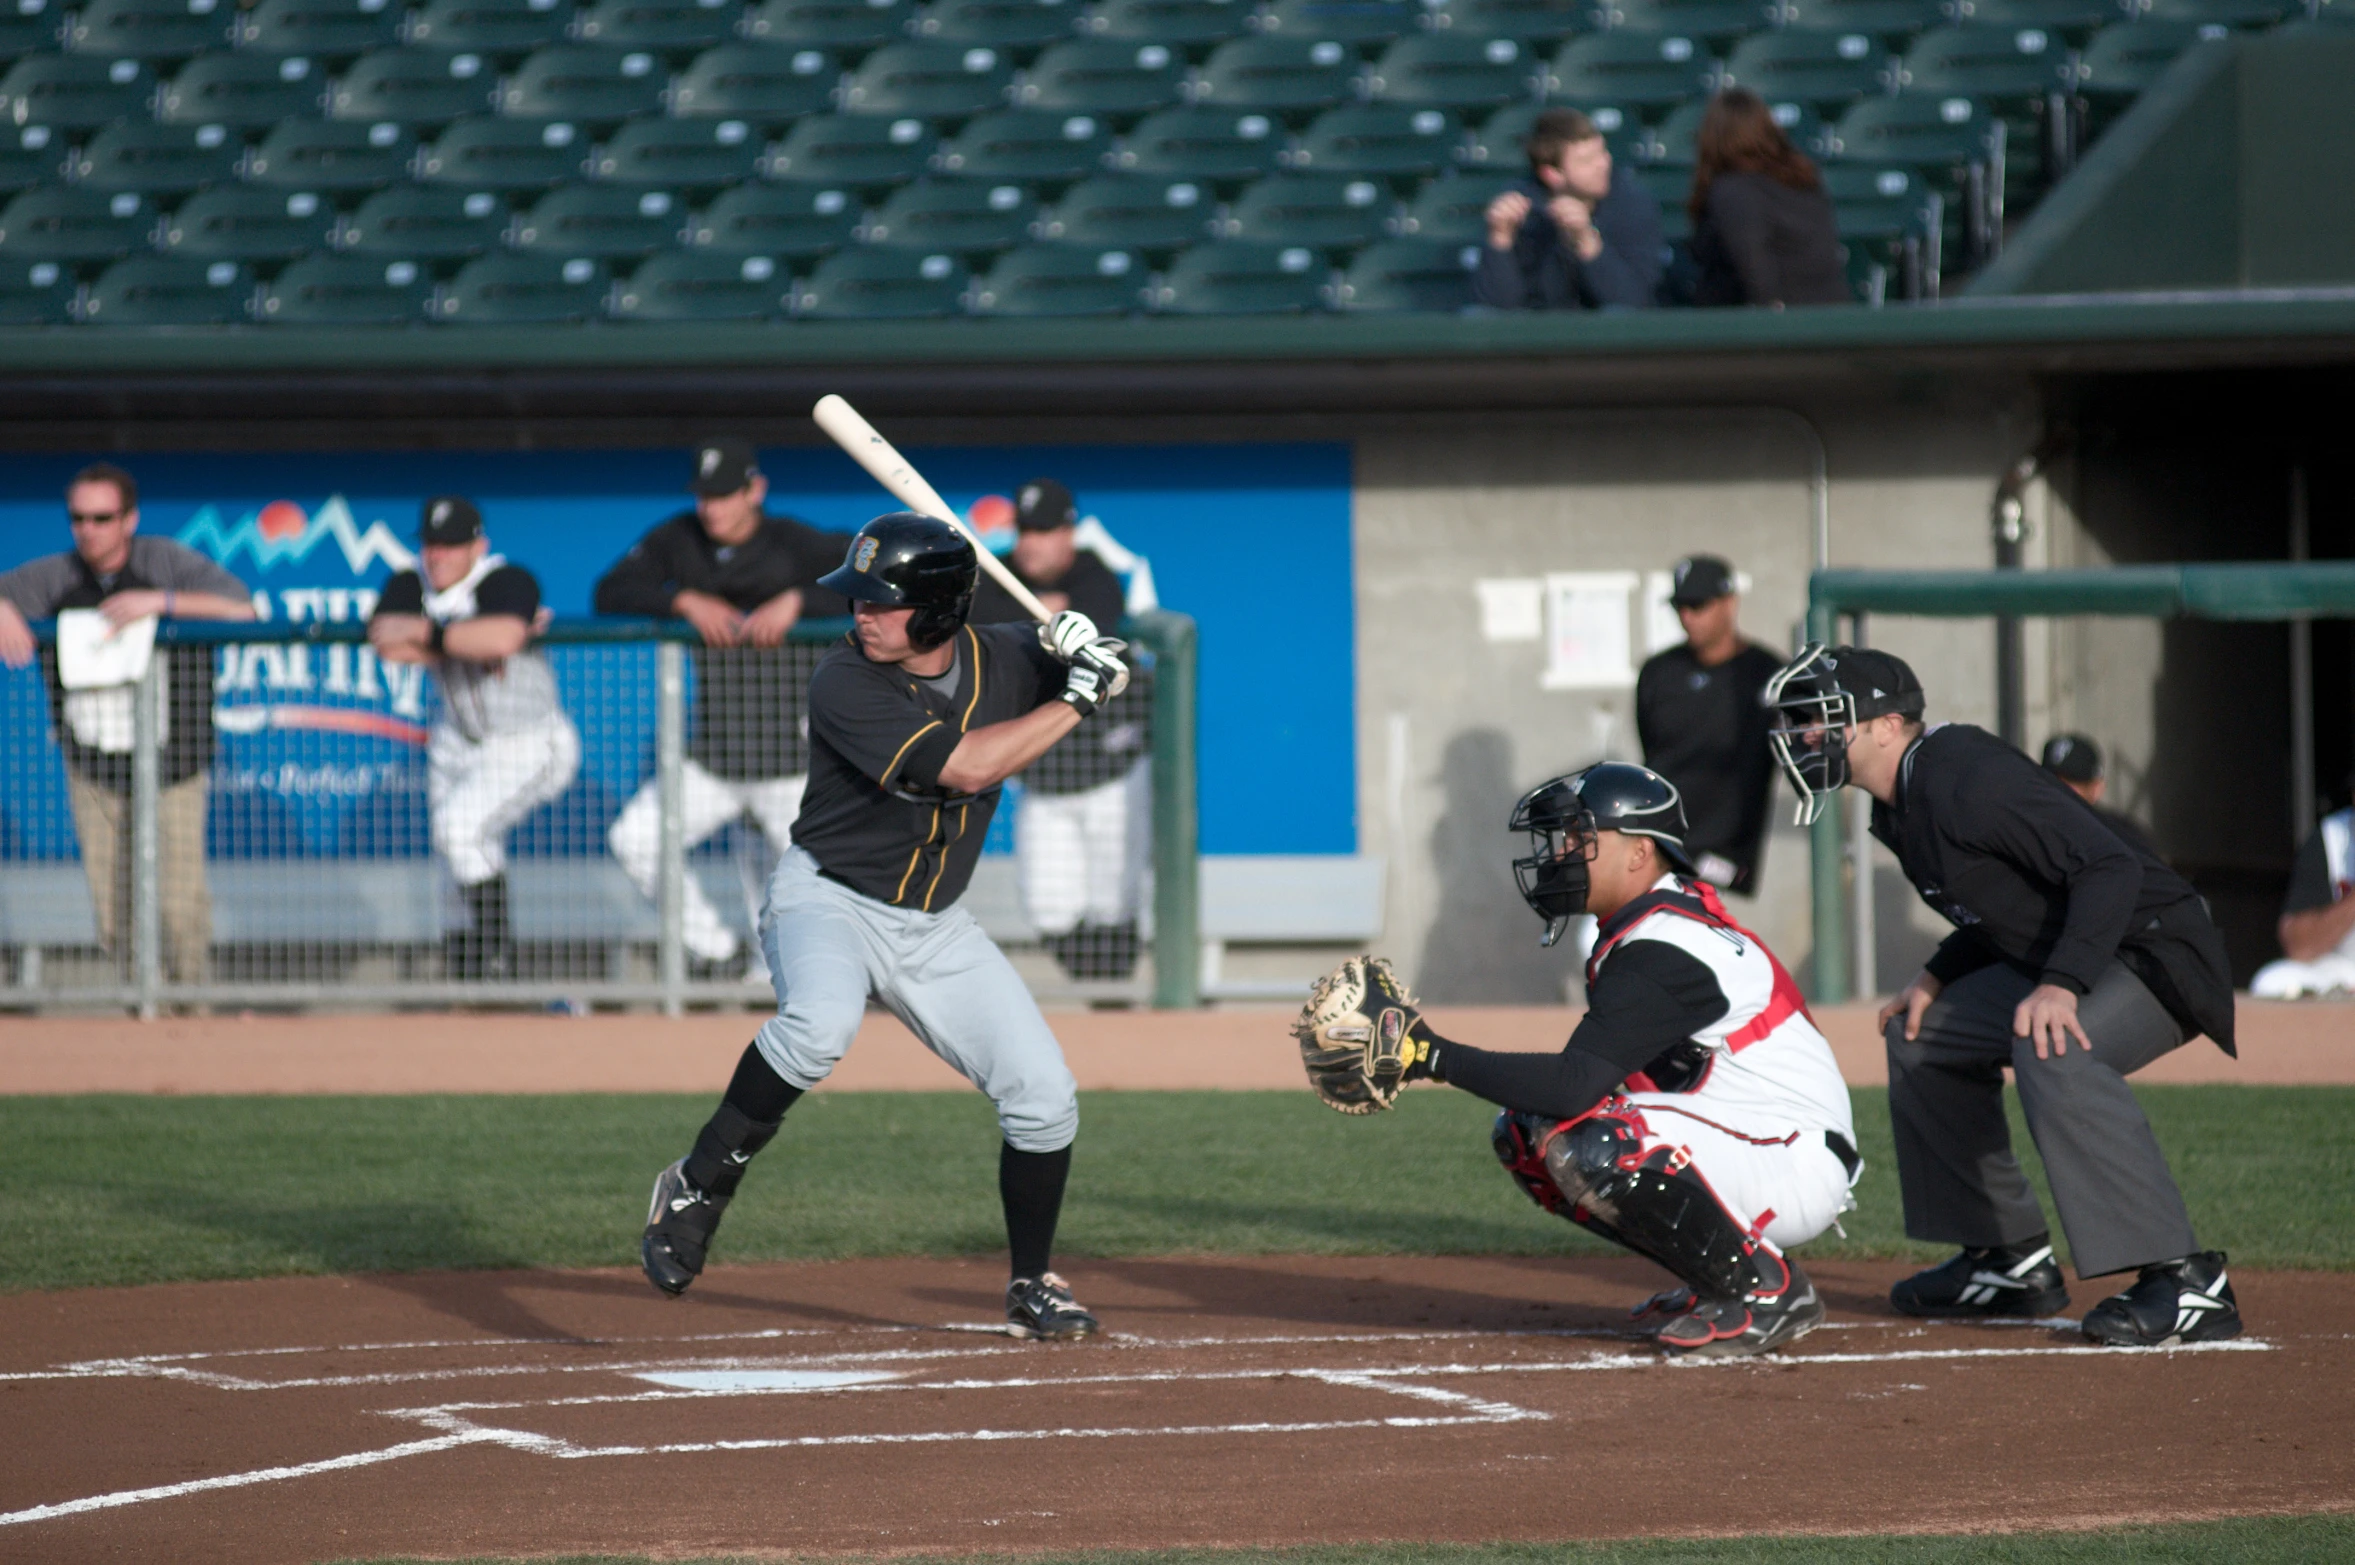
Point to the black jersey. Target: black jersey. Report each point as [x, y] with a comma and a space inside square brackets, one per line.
[1108, 744]
[1705, 730]
[876, 817]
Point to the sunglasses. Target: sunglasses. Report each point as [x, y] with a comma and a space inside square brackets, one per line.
[93, 518]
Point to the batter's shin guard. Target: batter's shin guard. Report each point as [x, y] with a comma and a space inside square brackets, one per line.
[727, 1143]
[1658, 1205]
[691, 1195]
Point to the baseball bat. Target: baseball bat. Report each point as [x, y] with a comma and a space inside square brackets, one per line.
[895, 473]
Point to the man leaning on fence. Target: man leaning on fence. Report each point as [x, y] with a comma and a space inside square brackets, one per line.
[128, 578]
[742, 578]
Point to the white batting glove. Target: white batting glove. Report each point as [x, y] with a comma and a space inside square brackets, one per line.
[1068, 634]
[1085, 688]
[1103, 655]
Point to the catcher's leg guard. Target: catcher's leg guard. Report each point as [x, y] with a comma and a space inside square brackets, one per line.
[691, 1195]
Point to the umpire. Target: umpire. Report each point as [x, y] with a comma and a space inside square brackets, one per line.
[2061, 932]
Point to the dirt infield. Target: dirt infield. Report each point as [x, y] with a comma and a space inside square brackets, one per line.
[464, 1052]
[869, 1406]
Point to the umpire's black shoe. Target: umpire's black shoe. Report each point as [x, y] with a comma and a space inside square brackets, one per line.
[2021, 1281]
[679, 1225]
[1740, 1328]
[2189, 1300]
[1041, 1308]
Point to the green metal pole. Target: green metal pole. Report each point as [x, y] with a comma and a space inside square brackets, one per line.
[1177, 898]
[1827, 864]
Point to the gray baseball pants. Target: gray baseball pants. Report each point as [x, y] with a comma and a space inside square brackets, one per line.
[1962, 1185]
[829, 948]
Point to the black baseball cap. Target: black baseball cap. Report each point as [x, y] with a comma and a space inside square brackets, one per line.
[1878, 682]
[448, 519]
[2072, 758]
[1701, 578]
[723, 465]
[1042, 505]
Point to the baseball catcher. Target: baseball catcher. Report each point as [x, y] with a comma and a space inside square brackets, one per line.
[1696, 1116]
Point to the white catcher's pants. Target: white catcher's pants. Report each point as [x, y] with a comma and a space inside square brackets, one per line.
[1082, 855]
[706, 803]
[477, 790]
[1779, 1181]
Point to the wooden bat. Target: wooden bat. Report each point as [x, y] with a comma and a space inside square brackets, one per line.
[893, 471]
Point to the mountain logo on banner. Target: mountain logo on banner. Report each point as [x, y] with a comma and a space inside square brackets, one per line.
[280, 533]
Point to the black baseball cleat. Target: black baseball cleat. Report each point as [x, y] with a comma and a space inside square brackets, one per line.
[2189, 1300]
[679, 1224]
[1041, 1309]
[2022, 1281]
[1740, 1328]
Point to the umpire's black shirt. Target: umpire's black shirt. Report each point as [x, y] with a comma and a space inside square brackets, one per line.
[876, 817]
[2030, 877]
[1704, 728]
[747, 724]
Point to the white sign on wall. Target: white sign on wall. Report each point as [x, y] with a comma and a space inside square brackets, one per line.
[1589, 630]
[1511, 609]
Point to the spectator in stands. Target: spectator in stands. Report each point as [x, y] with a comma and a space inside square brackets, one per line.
[1578, 234]
[1699, 713]
[2317, 929]
[1763, 229]
[1079, 830]
[2077, 761]
[742, 578]
[126, 577]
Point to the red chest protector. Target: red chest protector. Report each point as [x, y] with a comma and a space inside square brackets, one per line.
[1698, 900]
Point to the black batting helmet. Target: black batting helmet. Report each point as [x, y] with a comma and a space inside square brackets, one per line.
[905, 560]
[1562, 818]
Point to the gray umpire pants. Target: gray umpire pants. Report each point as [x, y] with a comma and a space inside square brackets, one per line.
[2118, 1203]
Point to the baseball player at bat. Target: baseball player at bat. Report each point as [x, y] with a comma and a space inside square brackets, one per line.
[1696, 1116]
[915, 723]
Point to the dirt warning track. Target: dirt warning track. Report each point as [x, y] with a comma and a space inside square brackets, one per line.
[871, 1406]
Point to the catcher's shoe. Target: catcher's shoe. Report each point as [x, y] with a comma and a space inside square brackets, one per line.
[679, 1224]
[1667, 1304]
[1743, 1328]
[2023, 1281]
[1042, 1309]
[2189, 1300]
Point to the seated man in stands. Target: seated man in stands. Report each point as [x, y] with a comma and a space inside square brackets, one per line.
[2317, 928]
[1578, 234]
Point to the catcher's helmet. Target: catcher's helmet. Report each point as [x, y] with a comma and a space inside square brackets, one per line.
[904, 560]
[1562, 818]
[1816, 698]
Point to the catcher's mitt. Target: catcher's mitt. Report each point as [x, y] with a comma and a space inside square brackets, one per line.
[1361, 1037]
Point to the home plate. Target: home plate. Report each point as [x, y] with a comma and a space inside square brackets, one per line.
[761, 1379]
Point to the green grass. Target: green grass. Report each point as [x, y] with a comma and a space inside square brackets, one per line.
[117, 1190]
[2259, 1540]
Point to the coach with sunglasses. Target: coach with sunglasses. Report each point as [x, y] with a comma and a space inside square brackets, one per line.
[126, 578]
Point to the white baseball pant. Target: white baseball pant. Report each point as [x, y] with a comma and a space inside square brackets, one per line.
[1782, 1183]
[1082, 855]
[476, 791]
[706, 803]
[828, 948]
[2329, 973]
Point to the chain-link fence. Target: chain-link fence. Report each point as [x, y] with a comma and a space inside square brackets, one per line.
[275, 816]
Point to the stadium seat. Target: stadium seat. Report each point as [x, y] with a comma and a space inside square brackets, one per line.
[2232, 13]
[1359, 22]
[424, 224]
[678, 27]
[1058, 279]
[1635, 70]
[1454, 71]
[703, 285]
[504, 290]
[243, 91]
[776, 220]
[1498, 143]
[878, 282]
[1379, 142]
[1195, 26]
[1017, 29]
[1130, 212]
[1111, 79]
[1673, 141]
[505, 30]
[148, 29]
[1827, 70]
[39, 294]
[758, 84]
[1294, 77]
[331, 155]
[27, 29]
[2022, 73]
[866, 151]
[74, 92]
[29, 155]
[846, 27]
[1892, 215]
[2076, 20]
[1323, 211]
[584, 83]
[151, 290]
[1713, 21]
[600, 221]
[1955, 139]
[486, 152]
[679, 154]
[58, 224]
[1028, 145]
[1670, 185]
[966, 217]
[1214, 145]
[1240, 277]
[1535, 22]
[242, 223]
[346, 290]
[1891, 21]
[156, 160]
[1409, 274]
[2122, 62]
[413, 87]
[934, 81]
[333, 30]
[1453, 210]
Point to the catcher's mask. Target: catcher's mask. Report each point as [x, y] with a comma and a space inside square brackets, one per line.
[1818, 699]
[1563, 818]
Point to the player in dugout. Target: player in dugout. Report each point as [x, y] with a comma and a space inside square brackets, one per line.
[1703, 727]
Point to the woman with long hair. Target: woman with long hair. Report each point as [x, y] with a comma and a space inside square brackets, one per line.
[1763, 230]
